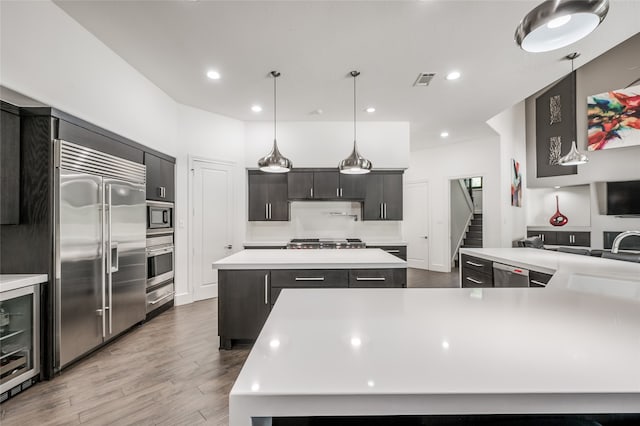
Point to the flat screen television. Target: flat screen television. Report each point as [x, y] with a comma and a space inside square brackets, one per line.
[623, 198]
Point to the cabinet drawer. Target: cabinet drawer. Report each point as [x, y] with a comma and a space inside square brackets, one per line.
[310, 278]
[372, 278]
[398, 251]
[159, 297]
[476, 264]
[538, 279]
[476, 279]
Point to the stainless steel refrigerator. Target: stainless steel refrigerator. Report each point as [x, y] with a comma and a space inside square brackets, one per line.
[100, 231]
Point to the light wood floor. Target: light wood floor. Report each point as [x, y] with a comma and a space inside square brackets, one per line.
[167, 372]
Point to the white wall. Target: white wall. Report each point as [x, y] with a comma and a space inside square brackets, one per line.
[575, 203]
[48, 56]
[325, 144]
[510, 127]
[439, 165]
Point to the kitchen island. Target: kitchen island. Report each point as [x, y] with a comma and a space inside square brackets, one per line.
[426, 352]
[250, 282]
[563, 270]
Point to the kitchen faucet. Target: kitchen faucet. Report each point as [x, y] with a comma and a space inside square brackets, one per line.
[620, 237]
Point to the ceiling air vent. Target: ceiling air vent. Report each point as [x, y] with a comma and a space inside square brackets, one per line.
[424, 78]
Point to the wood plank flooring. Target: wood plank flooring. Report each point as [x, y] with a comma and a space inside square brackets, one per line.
[167, 372]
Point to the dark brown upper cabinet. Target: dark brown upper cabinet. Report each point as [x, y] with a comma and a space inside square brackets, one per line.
[160, 178]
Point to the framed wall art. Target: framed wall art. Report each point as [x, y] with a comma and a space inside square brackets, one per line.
[614, 119]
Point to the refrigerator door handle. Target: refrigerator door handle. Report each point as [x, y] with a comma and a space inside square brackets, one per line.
[110, 259]
[104, 256]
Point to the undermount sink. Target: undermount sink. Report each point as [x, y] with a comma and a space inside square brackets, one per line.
[605, 286]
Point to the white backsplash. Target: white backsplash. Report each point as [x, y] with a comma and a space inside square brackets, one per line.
[325, 219]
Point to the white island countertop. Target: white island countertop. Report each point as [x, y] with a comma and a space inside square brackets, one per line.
[441, 351]
[14, 281]
[311, 259]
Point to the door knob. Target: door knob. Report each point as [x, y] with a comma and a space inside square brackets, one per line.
[425, 237]
[228, 247]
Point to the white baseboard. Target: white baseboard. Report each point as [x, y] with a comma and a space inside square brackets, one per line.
[438, 268]
[206, 292]
[183, 299]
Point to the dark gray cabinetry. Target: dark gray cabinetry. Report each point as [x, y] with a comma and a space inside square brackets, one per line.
[243, 305]
[268, 196]
[307, 278]
[582, 239]
[377, 278]
[476, 272]
[562, 238]
[324, 185]
[160, 178]
[9, 165]
[383, 197]
[538, 279]
[398, 251]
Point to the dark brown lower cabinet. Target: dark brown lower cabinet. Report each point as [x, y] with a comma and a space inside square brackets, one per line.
[538, 279]
[245, 297]
[243, 305]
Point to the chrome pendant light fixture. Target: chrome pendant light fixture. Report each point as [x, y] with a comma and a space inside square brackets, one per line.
[574, 157]
[355, 164]
[559, 23]
[274, 162]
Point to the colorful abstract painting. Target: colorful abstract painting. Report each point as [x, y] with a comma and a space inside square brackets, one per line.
[614, 119]
[516, 184]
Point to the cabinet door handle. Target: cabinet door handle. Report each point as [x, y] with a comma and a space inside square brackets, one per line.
[266, 210]
[385, 210]
[337, 192]
[539, 283]
[381, 213]
[479, 265]
[392, 251]
[340, 192]
[270, 216]
[474, 281]
[309, 278]
[542, 237]
[312, 192]
[266, 289]
[370, 279]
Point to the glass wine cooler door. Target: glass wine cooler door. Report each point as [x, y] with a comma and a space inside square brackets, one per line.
[19, 340]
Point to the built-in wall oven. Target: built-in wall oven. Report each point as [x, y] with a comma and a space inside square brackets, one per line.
[160, 257]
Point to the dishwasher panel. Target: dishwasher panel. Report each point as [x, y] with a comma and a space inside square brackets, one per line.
[509, 276]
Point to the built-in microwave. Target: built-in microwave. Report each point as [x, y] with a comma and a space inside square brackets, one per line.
[159, 216]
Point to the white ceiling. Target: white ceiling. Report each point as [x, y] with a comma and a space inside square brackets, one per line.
[316, 43]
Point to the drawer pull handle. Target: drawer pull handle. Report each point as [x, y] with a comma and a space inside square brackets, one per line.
[370, 279]
[162, 298]
[539, 283]
[309, 278]
[474, 281]
[479, 265]
[392, 251]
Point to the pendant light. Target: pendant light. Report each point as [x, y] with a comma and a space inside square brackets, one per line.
[274, 162]
[574, 157]
[355, 164]
[559, 23]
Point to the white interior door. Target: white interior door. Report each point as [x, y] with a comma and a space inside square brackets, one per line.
[416, 219]
[213, 222]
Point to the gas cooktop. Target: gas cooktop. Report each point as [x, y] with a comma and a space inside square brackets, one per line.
[325, 243]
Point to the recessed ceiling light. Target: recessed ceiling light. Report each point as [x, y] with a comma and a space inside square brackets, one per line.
[444, 134]
[256, 108]
[370, 110]
[453, 75]
[356, 342]
[213, 75]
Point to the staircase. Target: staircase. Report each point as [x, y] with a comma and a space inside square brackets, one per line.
[473, 237]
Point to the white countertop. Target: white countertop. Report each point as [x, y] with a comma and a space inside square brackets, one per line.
[14, 281]
[284, 243]
[441, 351]
[385, 243]
[311, 259]
[265, 243]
